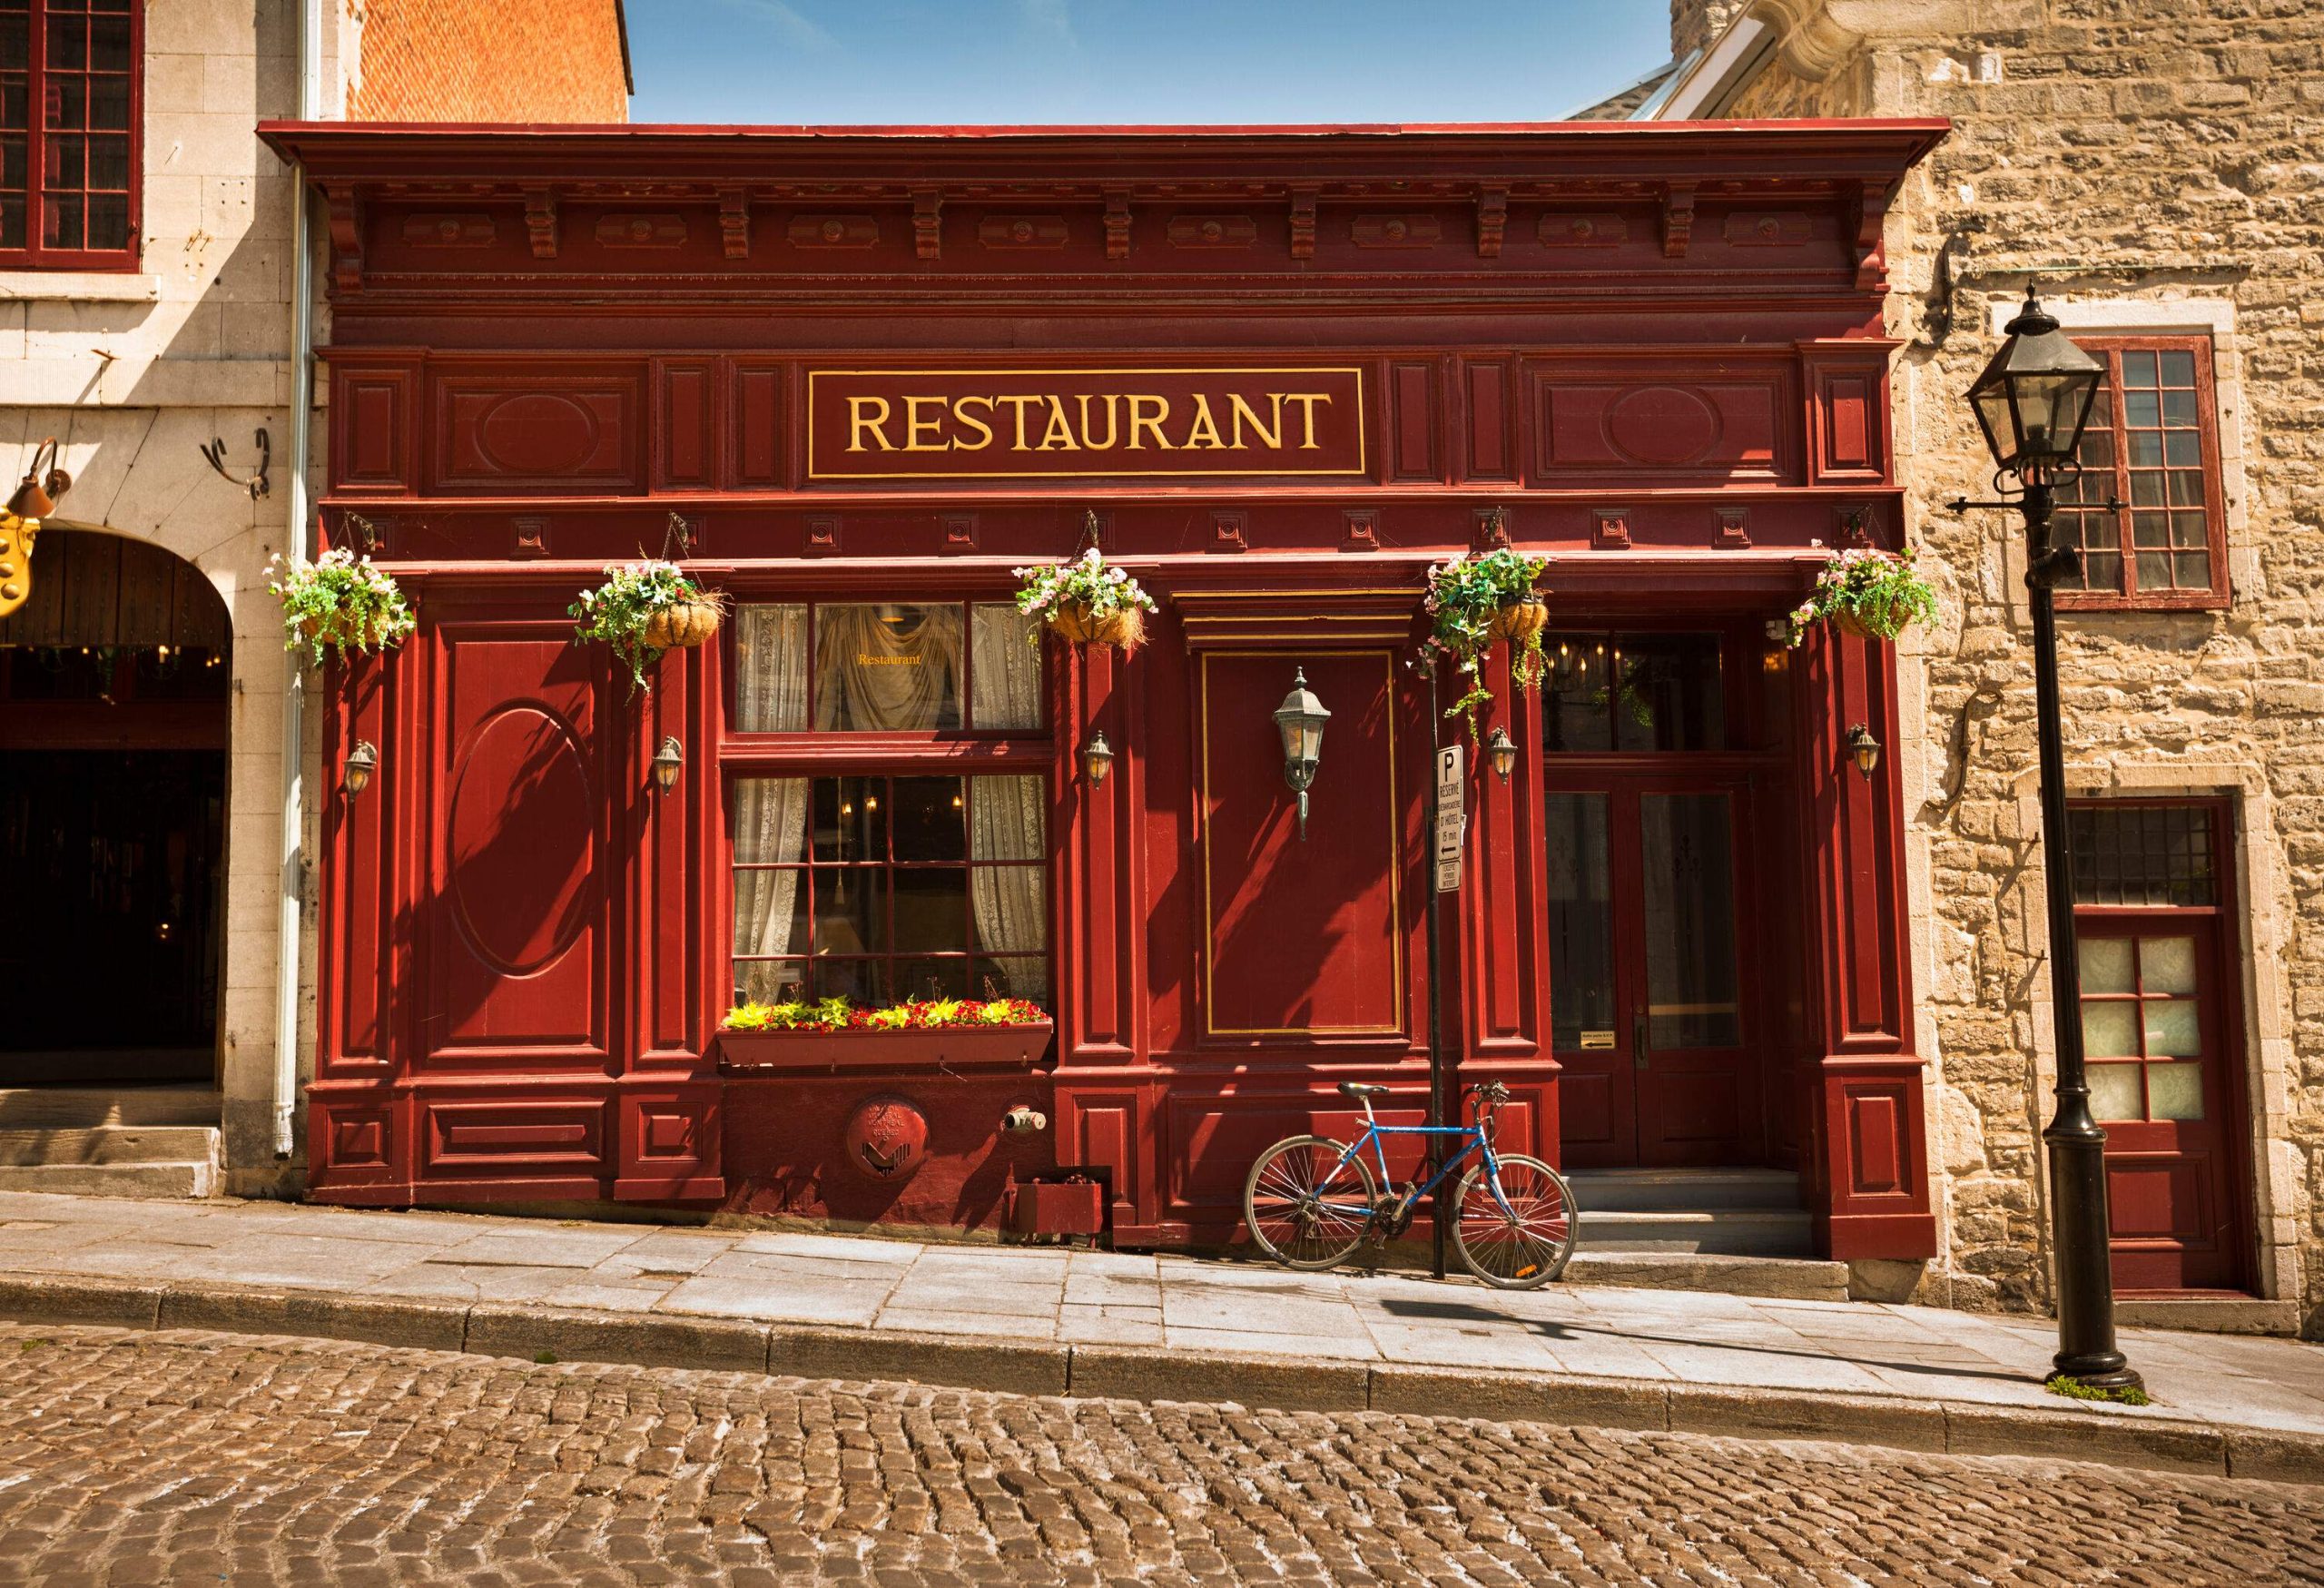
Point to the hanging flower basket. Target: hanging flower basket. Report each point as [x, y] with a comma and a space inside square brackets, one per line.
[1873, 595]
[1520, 620]
[1085, 600]
[681, 625]
[1476, 603]
[337, 604]
[642, 609]
[1083, 624]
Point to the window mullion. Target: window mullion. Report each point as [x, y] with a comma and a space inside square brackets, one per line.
[2125, 541]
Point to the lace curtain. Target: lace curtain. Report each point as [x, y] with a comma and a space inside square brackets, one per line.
[770, 812]
[1008, 816]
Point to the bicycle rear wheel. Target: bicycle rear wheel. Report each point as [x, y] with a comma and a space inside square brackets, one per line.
[1526, 1243]
[1308, 1201]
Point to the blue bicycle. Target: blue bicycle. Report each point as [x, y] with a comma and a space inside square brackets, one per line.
[1311, 1201]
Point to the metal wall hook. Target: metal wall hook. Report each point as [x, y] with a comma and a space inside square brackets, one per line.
[214, 455]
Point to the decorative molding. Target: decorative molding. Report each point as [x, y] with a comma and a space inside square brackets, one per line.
[927, 223]
[1489, 528]
[834, 231]
[1118, 223]
[540, 221]
[1812, 44]
[464, 229]
[734, 221]
[1395, 230]
[1303, 220]
[1492, 221]
[1227, 527]
[1359, 529]
[1570, 229]
[1211, 232]
[1678, 217]
[959, 531]
[822, 533]
[1766, 228]
[1734, 533]
[1871, 252]
[532, 537]
[345, 208]
[1610, 529]
[663, 230]
[1020, 231]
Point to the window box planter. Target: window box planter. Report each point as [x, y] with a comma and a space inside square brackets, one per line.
[810, 1052]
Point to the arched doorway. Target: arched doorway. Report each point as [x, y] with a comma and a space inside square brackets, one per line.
[114, 683]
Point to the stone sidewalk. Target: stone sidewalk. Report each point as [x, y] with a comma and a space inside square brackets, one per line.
[1153, 1328]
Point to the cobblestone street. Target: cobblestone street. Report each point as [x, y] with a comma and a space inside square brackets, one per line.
[188, 1457]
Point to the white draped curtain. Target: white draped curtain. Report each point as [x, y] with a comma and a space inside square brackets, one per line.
[770, 812]
[895, 667]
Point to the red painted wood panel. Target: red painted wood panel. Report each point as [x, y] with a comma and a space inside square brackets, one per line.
[516, 910]
[1489, 454]
[1303, 937]
[686, 424]
[372, 432]
[517, 429]
[758, 420]
[1413, 418]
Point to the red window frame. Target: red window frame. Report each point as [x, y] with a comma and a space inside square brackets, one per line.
[813, 753]
[28, 117]
[2082, 510]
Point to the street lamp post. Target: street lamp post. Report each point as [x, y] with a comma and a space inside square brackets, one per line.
[2032, 402]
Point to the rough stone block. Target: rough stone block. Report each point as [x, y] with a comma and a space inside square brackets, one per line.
[407, 1321]
[120, 1303]
[963, 1362]
[647, 1340]
[1512, 1397]
[1791, 1414]
[2123, 1437]
[1280, 1383]
[2276, 1459]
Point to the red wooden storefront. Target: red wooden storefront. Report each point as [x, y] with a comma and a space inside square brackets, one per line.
[853, 380]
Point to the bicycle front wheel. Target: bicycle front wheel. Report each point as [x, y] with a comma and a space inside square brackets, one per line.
[1308, 1201]
[1522, 1238]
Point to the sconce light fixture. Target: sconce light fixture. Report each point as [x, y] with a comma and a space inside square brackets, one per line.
[33, 501]
[1096, 758]
[1300, 720]
[1864, 750]
[355, 775]
[1501, 751]
[668, 761]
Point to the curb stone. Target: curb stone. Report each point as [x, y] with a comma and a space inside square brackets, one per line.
[2111, 1435]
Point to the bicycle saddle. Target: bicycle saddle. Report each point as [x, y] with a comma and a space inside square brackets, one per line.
[1360, 1090]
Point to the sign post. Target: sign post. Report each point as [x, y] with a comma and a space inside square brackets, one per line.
[1451, 821]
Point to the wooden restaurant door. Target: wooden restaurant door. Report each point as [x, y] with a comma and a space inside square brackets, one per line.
[1649, 852]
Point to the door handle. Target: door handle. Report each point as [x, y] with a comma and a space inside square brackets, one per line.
[1639, 1048]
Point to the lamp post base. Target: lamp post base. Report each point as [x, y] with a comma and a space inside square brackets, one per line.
[2086, 1350]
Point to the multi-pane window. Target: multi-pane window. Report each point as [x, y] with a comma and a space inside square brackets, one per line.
[921, 869]
[2151, 444]
[2145, 856]
[2143, 1025]
[1632, 691]
[68, 134]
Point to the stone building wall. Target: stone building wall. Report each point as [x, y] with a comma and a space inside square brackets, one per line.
[2159, 166]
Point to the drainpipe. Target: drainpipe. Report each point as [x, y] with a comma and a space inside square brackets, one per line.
[289, 905]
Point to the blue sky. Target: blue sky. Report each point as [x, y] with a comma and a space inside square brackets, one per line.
[1132, 61]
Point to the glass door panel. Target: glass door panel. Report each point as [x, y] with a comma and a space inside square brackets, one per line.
[1581, 896]
[1686, 852]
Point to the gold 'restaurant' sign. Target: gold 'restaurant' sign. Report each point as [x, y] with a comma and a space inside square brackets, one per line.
[1083, 424]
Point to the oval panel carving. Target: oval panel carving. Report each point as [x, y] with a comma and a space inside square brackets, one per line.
[1661, 424]
[521, 832]
[537, 433]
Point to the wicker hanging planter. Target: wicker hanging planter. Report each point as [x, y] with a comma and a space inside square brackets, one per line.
[681, 625]
[1123, 626]
[1884, 626]
[1519, 620]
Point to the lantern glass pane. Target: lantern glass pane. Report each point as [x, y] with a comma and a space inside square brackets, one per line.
[1994, 418]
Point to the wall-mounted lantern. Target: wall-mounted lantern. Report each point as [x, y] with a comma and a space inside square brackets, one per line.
[1096, 758]
[355, 775]
[668, 761]
[1501, 751]
[1864, 750]
[1300, 720]
[33, 500]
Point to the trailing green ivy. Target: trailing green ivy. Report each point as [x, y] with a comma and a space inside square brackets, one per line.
[1879, 593]
[1465, 597]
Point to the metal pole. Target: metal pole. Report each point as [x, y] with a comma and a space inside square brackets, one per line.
[2086, 1348]
[1435, 1007]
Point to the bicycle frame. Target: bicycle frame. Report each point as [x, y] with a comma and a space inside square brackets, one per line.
[1473, 1137]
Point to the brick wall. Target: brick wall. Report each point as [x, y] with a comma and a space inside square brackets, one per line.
[489, 61]
[2141, 156]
